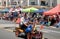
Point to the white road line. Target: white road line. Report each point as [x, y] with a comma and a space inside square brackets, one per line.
[52, 27]
[49, 31]
[9, 30]
[44, 30]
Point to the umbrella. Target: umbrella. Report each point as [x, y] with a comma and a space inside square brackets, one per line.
[40, 11]
[5, 10]
[0, 11]
[25, 10]
[32, 9]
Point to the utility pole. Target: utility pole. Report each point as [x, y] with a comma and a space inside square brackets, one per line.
[28, 3]
[10, 2]
[21, 2]
[38, 2]
[50, 3]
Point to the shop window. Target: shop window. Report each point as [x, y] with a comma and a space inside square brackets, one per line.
[32, 3]
[43, 3]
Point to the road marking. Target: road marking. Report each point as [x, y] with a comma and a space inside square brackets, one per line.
[52, 27]
[49, 31]
[12, 31]
[9, 30]
[43, 30]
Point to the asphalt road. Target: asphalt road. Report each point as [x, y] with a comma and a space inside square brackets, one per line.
[5, 23]
[7, 35]
[50, 33]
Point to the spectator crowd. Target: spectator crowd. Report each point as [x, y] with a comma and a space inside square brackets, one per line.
[15, 14]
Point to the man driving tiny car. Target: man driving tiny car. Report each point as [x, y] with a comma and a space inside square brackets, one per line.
[26, 26]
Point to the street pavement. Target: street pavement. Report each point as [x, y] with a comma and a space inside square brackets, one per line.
[5, 23]
[7, 35]
[48, 32]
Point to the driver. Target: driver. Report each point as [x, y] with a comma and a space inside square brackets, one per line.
[23, 25]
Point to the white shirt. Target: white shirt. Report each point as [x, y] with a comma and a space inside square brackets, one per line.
[22, 20]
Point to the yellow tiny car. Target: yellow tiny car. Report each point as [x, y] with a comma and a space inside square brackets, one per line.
[33, 35]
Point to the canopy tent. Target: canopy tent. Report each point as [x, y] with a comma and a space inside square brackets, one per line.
[25, 10]
[53, 11]
[40, 11]
[0, 11]
[5, 10]
[32, 9]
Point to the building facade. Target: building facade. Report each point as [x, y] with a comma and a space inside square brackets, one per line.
[49, 3]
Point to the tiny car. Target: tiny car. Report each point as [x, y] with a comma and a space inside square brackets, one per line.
[33, 35]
